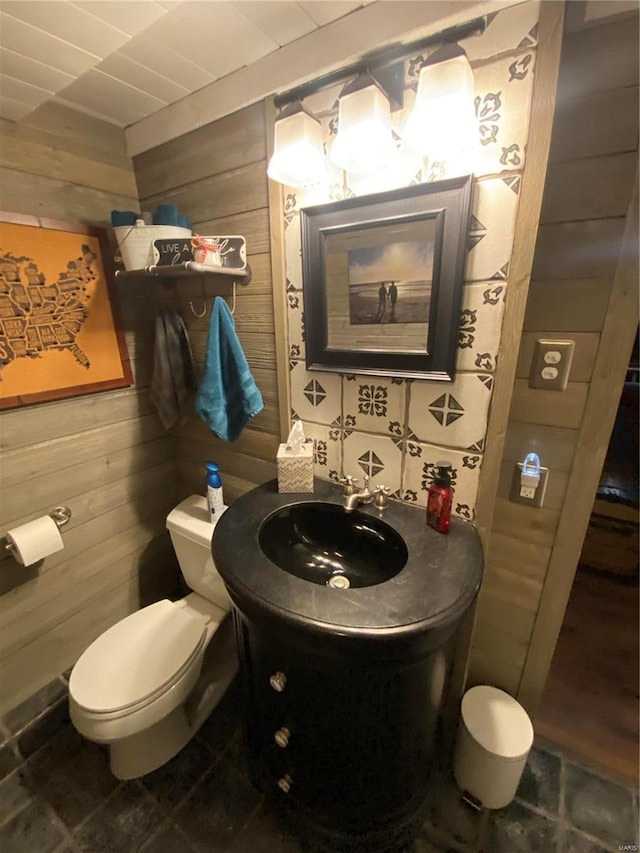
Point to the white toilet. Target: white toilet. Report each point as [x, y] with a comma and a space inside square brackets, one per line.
[146, 685]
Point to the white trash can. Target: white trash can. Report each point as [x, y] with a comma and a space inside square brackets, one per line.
[494, 739]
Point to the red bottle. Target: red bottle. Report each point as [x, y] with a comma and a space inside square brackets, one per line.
[439, 499]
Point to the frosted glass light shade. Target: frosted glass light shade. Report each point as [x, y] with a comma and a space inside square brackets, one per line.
[364, 139]
[442, 123]
[298, 155]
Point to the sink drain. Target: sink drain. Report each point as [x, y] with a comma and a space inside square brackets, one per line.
[339, 582]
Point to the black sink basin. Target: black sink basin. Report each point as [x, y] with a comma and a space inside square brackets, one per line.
[325, 544]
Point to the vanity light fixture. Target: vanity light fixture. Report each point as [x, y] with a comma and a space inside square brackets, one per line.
[441, 124]
[298, 158]
[364, 141]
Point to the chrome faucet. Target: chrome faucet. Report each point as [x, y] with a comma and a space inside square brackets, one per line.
[354, 499]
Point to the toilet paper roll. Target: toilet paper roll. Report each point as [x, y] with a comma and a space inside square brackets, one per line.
[34, 540]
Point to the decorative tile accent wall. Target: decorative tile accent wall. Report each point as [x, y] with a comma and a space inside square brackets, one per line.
[395, 430]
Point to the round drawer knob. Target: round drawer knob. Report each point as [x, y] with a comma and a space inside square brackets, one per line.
[285, 783]
[278, 681]
[281, 737]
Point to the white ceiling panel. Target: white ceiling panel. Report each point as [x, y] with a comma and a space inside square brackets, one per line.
[25, 92]
[215, 36]
[325, 11]
[28, 41]
[111, 97]
[179, 37]
[68, 23]
[166, 62]
[283, 21]
[130, 16]
[236, 41]
[129, 71]
[14, 110]
[30, 71]
[78, 108]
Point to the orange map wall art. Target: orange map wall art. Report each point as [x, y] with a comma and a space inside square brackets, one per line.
[58, 335]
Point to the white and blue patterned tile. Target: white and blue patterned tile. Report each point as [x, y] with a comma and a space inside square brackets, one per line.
[491, 231]
[412, 66]
[336, 188]
[451, 414]
[327, 450]
[293, 253]
[295, 317]
[480, 326]
[377, 456]
[374, 404]
[419, 471]
[290, 204]
[315, 396]
[503, 92]
[515, 28]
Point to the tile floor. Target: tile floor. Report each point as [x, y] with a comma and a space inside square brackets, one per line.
[57, 795]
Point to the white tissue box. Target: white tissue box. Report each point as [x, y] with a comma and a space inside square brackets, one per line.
[295, 468]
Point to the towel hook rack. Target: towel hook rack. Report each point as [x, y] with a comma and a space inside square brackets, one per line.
[204, 303]
[204, 308]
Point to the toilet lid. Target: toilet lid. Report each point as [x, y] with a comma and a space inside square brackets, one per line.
[136, 658]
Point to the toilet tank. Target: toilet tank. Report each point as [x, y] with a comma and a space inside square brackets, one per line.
[191, 533]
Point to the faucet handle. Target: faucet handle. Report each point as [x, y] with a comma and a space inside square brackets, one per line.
[349, 484]
[381, 495]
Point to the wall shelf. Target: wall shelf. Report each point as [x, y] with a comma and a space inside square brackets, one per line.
[187, 269]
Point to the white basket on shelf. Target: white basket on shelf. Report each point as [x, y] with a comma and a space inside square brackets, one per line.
[135, 242]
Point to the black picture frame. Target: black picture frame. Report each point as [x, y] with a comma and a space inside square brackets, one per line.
[351, 248]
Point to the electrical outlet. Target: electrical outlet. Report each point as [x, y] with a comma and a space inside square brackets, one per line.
[551, 364]
[520, 494]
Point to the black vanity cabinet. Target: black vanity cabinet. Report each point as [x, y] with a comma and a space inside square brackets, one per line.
[342, 731]
[342, 686]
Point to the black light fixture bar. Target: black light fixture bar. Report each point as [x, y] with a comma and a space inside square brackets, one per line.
[381, 59]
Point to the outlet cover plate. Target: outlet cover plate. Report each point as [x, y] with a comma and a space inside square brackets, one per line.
[514, 493]
[551, 364]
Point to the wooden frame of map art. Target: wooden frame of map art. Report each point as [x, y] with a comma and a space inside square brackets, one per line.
[59, 330]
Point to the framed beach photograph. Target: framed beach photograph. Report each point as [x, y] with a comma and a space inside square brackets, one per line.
[382, 280]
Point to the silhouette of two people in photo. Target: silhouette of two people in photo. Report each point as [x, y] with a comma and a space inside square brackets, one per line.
[383, 295]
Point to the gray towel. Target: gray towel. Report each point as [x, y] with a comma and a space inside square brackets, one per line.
[174, 377]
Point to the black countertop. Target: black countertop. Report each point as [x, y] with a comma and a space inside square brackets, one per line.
[434, 589]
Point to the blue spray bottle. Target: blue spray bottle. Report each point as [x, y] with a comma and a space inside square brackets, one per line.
[215, 500]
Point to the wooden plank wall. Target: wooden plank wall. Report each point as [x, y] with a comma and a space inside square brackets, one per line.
[104, 455]
[589, 184]
[217, 176]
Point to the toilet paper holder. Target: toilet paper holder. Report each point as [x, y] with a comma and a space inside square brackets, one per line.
[61, 516]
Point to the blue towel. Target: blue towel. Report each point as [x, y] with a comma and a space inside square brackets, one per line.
[228, 395]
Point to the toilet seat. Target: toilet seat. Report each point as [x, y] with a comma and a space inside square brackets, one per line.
[138, 659]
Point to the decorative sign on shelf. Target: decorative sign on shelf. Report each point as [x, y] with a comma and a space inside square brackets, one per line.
[59, 335]
[214, 252]
[171, 252]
